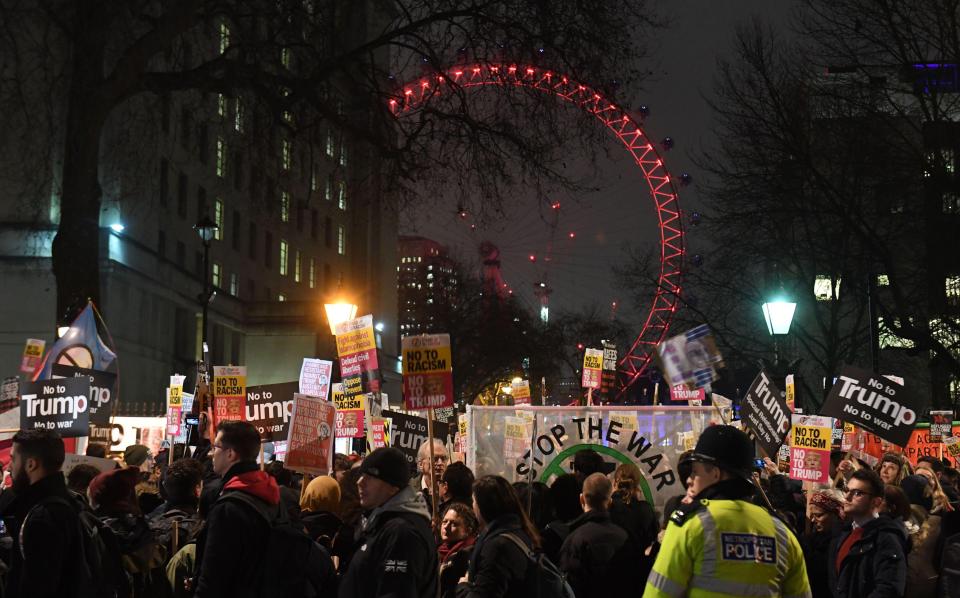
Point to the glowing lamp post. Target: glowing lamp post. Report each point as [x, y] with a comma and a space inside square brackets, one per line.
[338, 312]
[779, 315]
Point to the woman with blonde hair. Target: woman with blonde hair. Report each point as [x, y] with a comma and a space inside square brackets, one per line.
[630, 510]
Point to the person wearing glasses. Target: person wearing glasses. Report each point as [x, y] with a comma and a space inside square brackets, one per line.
[427, 472]
[867, 558]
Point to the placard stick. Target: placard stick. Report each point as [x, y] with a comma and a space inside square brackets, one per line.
[176, 536]
[170, 450]
[263, 466]
[656, 393]
[434, 499]
[303, 484]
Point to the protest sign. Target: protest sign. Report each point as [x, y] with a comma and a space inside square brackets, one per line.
[952, 443]
[941, 424]
[9, 393]
[427, 371]
[460, 445]
[608, 377]
[682, 393]
[357, 350]
[269, 408]
[229, 392]
[446, 415]
[408, 432]
[874, 403]
[351, 410]
[315, 377]
[790, 388]
[521, 392]
[103, 386]
[765, 413]
[32, 352]
[810, 448]
[380, 435]
[592, 368]
[563, 431]
[516, 438]
[102, 464]
[690, 359]
[310, 439]
[59, 405]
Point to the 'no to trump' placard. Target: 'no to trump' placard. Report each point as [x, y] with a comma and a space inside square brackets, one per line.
[810, 448]
[351, 413]
[875, 403]
[61, 405]
[427, 371]
[765, 413]
[592, 368]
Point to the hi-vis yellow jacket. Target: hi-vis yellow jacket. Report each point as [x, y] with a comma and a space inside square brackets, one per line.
[727, 548]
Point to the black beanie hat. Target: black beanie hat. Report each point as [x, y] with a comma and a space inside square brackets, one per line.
[387, 464]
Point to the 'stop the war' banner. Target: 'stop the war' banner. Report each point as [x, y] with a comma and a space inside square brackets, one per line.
[427, 371]
[874, 403]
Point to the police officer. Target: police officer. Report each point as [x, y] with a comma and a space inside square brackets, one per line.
[720, 544]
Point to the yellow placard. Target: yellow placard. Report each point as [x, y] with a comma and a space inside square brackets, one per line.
[345, 403]
[230, 381]
[175, 398]
[355, 336]
[427, 360]
[593, 361]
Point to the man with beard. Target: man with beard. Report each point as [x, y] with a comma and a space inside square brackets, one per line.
[43, 521]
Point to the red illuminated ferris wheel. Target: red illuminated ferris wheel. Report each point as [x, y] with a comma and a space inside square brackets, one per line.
[628, 131]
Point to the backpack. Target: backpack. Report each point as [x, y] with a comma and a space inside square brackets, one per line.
[142, 557]
[551, 582]
[293, 565]
[99, 572]
[162, 526]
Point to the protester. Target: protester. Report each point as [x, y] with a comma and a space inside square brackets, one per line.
[80, 477]
[720, 520]
[597, 550]
[458, 534]
[341, 465]
[587, 462]
[43, 522]
[630, 510]
[318, 511]
[234, 537]
[499, 567]
[289, 497]
[182, 486]
[427, 472]
[181, 567]
[826, 512]
[96, 449]
[564, 495]
[940, 501]
[867, 558]
[535, 498]
[893, 468]
[456, 485]
[397, 555]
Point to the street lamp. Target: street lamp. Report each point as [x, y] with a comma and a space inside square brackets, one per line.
[778, 313]
[207, 229]
[339, 311]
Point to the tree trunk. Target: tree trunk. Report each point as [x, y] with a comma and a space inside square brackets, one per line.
[76, 247]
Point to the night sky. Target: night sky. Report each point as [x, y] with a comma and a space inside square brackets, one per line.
[619, 215]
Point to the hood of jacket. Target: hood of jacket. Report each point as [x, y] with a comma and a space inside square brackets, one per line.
[255, 483]
[407, 500]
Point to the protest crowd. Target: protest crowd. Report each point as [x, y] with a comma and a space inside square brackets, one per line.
[217, 523]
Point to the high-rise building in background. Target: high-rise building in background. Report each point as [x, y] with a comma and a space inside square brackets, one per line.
[427, 280]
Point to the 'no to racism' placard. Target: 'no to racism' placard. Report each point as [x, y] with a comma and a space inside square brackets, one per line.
[765, 413]
[810, 448]
[875, 403]
[59, 405]
[229, 392]
[592, 368]
[427, 371]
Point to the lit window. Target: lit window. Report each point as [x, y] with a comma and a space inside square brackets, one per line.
[887, 339]
[281, 297]
[284, 206]
[296, 266]
[946, 332]
[823, 288]
[284, 249]
[221, 157]
[238, 116]
[224, 37]
[953, 290]
[313, 274]
[215, 275]
[330, 143]
[288, 117]
[285, 57]
[221, 105]
[218, 219]
[342, 195]
[286, 154]
[328, 191]
[234, 284]
[883, 280]
[341, 240]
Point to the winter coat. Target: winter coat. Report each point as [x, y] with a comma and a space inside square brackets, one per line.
[638, 518]
[595, 554]
[327, 530]
[45, 565]
[498, 568]
[230, 547]
[816, 552]
[396, 555]
[923, 562]
[875, 567]
[454, 561]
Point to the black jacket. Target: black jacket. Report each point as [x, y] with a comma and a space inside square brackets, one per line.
[396, 555]
[333, 534]
[231, 544]
[46, 565]
[595, 555]
[816, 553]
[638, 518]
[875, 567]
[498, 568]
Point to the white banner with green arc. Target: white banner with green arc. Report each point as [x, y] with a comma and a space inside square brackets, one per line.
[652, 438]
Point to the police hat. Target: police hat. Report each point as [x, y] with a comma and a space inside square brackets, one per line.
[725, 447]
